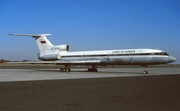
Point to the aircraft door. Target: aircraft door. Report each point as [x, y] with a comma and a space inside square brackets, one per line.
[108, 58]
[131, 57]
[85, 56]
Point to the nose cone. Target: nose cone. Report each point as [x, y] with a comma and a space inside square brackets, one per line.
[171, 59]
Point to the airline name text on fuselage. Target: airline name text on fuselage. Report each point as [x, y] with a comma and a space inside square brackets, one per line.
[124, 51]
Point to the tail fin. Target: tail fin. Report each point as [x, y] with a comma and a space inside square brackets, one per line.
[43, 43]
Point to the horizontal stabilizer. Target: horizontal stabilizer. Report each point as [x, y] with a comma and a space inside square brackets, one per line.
[32, 35]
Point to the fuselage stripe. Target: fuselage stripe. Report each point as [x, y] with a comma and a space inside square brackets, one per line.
[100, 55]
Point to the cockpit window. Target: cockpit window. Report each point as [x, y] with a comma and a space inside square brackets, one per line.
[161, 53]
[165, 53]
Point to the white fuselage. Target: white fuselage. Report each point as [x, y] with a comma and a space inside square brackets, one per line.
[119, 56]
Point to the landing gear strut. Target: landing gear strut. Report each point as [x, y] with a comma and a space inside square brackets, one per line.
[145, 70]
[93, 69]
[66, 69]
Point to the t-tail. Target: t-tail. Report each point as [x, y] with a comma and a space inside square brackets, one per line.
[48, 51]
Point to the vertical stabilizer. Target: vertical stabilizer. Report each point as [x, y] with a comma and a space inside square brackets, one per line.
[43, 43]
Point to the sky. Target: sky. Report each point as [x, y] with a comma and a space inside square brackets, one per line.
[89, 25]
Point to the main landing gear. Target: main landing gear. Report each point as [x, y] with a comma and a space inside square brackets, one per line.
[145, 70]
[93, 69]
[66, 69]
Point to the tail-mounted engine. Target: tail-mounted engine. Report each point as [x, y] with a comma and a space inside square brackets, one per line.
[49, 57]
[61, 47]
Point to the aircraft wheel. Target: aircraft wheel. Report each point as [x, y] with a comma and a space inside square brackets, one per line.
[63, 70]
[69, 70]
[145, 72]
[95, 70]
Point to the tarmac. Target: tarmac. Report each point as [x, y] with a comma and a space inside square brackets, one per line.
[48, 73]
[117, 89]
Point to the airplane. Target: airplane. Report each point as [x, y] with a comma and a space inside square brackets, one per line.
[60, 55]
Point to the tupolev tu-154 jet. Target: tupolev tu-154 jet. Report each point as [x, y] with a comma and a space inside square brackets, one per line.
[60, 55]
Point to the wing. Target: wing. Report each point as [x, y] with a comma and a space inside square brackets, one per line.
[84, 62]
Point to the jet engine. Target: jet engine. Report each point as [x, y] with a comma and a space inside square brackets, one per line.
[61, 47]
[49, 57]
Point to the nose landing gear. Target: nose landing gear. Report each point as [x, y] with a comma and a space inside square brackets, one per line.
[145, 70]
